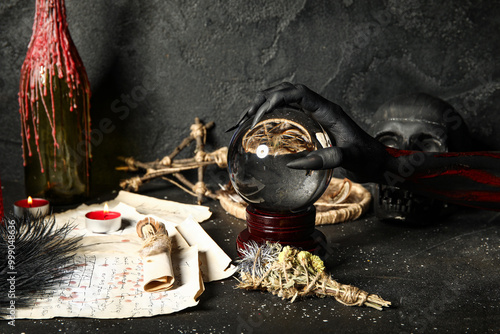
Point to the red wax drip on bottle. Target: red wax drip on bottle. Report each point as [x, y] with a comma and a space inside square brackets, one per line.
[54, 83]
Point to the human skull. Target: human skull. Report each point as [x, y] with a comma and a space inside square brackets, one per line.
[418, 122]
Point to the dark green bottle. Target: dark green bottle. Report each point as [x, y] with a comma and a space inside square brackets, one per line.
[54, 99]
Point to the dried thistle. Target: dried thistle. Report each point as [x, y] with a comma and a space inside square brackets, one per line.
[291, 273]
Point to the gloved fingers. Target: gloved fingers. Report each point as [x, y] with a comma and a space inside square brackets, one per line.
[326, 158]
[241, 120]
[259, 100]
[287, 94]
[269, 99]
[279, 96]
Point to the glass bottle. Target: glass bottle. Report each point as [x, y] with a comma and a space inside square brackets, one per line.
[54, 99]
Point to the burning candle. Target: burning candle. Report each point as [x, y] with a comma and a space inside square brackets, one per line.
[103, 221]
[31, 206]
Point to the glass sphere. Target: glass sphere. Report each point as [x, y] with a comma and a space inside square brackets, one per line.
[257, 159]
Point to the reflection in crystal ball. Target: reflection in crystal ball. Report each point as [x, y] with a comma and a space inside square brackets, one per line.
[257, 159]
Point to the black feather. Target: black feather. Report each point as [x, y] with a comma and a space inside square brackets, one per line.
[41, 254]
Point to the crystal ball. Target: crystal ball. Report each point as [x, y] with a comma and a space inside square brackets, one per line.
[257, 159]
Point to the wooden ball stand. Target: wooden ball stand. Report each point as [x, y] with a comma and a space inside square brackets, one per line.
[293, 229]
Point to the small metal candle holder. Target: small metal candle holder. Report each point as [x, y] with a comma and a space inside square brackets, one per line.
[103, 221]
[35, 207]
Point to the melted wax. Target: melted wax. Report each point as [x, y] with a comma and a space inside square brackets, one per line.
[50, 52]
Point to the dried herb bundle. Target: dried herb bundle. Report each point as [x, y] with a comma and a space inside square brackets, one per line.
[35, 256]
[291, 273]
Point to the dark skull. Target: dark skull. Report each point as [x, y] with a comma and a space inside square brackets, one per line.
[418, 122]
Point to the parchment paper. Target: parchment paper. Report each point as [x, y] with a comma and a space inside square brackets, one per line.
[214, 262]
[168, 210]
[106, 279]
[158, 272]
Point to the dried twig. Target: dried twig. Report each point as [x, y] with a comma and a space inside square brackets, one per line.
[168, 166]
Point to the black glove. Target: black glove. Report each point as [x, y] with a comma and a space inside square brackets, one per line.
[358, 153]
[466, 178]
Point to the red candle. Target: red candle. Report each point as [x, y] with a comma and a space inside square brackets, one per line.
[33, 206]
[102, 215]
[102, 221]
[31, 202]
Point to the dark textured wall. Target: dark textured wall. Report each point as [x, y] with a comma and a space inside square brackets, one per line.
[155, 65]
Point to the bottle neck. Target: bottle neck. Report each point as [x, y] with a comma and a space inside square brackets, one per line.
[50, 23]
[51, 50]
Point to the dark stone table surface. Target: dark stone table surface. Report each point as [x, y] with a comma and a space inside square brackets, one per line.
[441, 278]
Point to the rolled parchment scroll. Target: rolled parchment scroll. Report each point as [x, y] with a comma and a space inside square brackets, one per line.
[155, 252]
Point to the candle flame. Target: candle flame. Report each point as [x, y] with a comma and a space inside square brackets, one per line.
[106, 209]
[30, 201]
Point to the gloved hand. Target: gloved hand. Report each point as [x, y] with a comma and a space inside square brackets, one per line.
[358, 153]
[465, 178]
